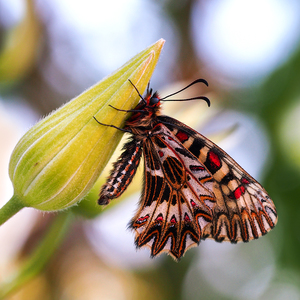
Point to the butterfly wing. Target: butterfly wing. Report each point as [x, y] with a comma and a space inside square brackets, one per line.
[243, 210]
[193, 190]
[175, 209]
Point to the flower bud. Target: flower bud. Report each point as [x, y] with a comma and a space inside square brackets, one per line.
[58, 160]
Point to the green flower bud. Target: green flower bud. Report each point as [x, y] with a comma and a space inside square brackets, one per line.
[58, 160]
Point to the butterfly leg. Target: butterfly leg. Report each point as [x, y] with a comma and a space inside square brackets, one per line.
[113, 126]
[129, 110]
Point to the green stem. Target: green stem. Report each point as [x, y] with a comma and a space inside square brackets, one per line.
[39, 258]
[10, 208]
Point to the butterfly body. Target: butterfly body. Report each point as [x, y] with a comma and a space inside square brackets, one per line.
[192, 189]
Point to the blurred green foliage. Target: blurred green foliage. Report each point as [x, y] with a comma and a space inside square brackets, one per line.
[277, 94]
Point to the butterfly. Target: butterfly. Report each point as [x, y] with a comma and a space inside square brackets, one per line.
[192, 189]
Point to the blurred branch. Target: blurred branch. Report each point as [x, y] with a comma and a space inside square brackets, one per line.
[180, 13]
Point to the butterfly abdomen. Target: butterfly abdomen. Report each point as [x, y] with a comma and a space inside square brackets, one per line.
[123, 172]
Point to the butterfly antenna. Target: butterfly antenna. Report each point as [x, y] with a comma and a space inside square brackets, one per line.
[138, 90]
[194, 98]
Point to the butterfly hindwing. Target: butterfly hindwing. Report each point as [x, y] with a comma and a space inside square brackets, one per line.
[175, 210]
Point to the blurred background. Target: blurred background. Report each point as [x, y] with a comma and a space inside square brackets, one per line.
[248, 51]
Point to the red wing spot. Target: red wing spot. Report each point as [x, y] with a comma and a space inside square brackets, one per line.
[213, 162]
[173, 220]
[159, 218]
[237, 193]
[214, 159]
[196, 168]
[182, 136]
[193, 203]
[142, 219]
[161, 154]
[245, 181]
[187, 218]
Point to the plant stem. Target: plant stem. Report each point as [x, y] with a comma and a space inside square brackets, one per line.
[40, 257]
[10, 208]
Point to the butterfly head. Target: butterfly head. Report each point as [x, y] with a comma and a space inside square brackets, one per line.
[150, 104]
[152, 100]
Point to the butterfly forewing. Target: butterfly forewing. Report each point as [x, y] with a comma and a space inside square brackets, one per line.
[243, 210]
[192, 189]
